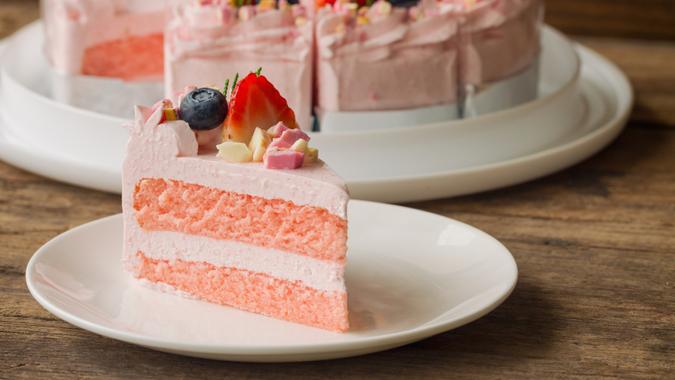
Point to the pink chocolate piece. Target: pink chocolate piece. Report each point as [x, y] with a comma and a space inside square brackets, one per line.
[283, 159]
[288, 138]
[277, 130]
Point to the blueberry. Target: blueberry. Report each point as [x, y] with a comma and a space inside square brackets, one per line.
[203, 109]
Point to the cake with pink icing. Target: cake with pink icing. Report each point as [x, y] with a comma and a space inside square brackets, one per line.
[207, 40]
[356, 64]
[253, 220]
[381, 57]
[113, 38]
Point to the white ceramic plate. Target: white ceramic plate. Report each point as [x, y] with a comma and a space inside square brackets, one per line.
[410, 275]
[567, 125]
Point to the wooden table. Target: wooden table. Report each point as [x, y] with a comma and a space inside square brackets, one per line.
[595, 245]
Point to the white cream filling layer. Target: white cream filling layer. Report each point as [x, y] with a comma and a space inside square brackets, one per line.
[167, 245]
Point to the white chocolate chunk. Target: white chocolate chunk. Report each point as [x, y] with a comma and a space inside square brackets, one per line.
[300, 145]
[259, 153]
[234, 152]
[311, 155]
[258, 144]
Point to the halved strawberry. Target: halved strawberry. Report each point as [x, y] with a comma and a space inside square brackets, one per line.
[255, 102]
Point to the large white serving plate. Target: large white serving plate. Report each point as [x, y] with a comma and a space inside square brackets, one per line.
[575, 116]
[410, 275]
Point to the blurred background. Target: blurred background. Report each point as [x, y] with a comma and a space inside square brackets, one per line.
[637, 35]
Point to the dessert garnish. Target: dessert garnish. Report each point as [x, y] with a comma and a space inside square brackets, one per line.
[204, 109]
[168, 112]
[278, 147]
[261, 127]
[233, 151]
[254, 103]
[258, 125]
[259, 143]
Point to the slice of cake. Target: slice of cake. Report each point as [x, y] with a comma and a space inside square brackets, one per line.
[208, 40]
[112, 38]
[261, 225]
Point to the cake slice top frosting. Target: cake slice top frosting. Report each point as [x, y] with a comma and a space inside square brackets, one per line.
[260, 149]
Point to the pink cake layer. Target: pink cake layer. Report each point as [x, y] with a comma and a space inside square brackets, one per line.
[250, 291]
[170, 205]
[127, 58]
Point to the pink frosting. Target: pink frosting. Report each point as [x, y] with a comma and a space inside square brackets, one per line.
[72, 26]
[398, 61]
[390, 63]
[208, 43]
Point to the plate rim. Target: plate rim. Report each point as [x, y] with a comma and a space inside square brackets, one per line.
[358, 347]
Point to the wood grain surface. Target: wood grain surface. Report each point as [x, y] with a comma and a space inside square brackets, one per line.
[595, 246]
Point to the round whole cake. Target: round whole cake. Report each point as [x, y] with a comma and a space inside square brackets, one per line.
[353, 64]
